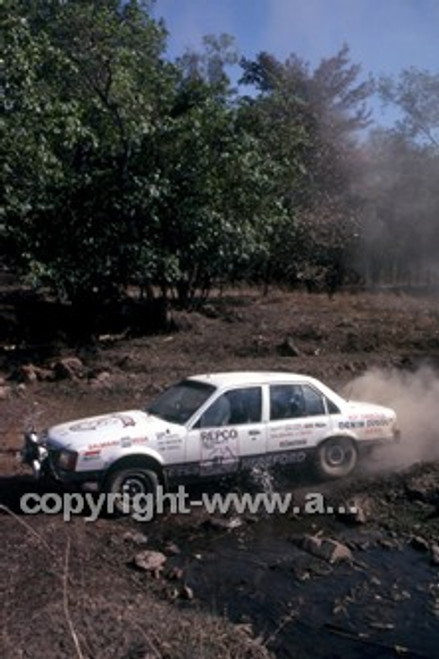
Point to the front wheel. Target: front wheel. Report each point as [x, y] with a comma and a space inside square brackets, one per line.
[336, 457]
[133, 488]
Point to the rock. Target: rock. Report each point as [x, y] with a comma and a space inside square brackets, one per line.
[186, 593]
[418, 543]
[104, 376]
[423, 488]
[21, 389]
[171, 549]
[386, 543]
[434, 558]
[150, 561]
[69, 368]
[175, 574]
[334, 551]
[357, 510]
[225, 522]
[135, 538]
[44, 374]
[30, 373]
[5, 392]
[288, 348]
[329, 550]
[27, 373]
[102, 379]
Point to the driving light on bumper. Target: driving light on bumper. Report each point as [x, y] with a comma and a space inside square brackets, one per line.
[34, 448]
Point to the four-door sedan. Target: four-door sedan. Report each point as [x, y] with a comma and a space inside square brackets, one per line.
[210, 425]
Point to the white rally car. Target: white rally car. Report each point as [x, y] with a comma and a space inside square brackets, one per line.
[211, 425]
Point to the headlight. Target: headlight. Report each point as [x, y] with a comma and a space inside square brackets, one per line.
[67, 460]
[32, 436]
[33, 448]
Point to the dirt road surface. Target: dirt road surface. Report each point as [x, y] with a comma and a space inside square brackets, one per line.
[282, 585]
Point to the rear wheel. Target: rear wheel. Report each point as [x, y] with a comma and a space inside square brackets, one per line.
[336, 457]
[131, 487]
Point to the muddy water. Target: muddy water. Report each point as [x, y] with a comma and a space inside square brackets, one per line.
[385, 604]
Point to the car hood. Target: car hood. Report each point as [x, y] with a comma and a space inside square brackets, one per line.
[106, 429]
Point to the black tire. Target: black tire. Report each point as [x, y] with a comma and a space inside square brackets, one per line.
[336, 457]
[130, 482]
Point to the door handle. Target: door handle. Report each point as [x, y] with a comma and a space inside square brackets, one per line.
[252, 433]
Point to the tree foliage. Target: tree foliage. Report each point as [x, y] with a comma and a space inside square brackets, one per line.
[121, 167]
[416, 94]
[308, 121]
[85, 88]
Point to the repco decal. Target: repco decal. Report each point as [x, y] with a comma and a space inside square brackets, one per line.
[217, 436]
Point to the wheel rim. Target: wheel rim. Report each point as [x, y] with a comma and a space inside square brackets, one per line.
[133, 485]
[337, 455]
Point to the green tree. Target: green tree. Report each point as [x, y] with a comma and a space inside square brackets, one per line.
[416, 94]
[85, 88]
[213, 220]
[120, 166]
[308, 122]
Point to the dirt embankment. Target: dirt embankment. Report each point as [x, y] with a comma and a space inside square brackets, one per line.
[257, 586]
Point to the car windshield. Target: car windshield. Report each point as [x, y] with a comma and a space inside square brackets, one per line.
[178, 403]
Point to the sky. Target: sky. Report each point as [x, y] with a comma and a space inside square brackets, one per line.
[384, 36]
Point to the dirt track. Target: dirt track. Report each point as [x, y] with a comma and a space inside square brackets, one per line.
[71, 589]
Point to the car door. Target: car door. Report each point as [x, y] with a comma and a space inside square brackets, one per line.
[228, 432]
[298, 421]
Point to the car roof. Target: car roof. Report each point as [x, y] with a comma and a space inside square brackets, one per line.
[236, 378]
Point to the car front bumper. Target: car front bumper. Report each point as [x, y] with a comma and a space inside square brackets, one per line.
[37, 453]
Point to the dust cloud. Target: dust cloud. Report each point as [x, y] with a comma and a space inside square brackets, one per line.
[415, 398]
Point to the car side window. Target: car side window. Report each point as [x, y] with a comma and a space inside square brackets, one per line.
[218, 414]
[291, 401]
[332, 407]
[286, 401]
[314, 402]
[234, 408]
